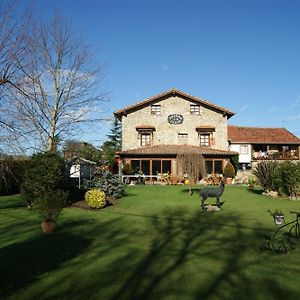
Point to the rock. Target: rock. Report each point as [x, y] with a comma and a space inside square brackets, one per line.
[272, 194]
[212, 208]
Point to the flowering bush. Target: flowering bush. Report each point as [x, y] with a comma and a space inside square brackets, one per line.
[95, 198]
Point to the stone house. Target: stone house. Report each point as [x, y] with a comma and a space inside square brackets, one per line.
[157, 129]
[255, 143]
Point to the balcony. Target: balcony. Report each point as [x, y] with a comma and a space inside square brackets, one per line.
[275, 155]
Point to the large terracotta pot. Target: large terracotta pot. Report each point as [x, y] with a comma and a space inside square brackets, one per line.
[48, 226]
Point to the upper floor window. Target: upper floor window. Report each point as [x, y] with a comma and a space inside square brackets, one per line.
[145, 139]
[195, 109]
[244, 149]
[155, 109]
[205, 139]
[182, 135]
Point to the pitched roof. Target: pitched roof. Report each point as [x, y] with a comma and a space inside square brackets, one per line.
[257, 135]
[176, 149]
[168, 93]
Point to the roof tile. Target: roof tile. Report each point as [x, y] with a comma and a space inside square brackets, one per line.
[176, 149]
[127, 109]
[258, 135]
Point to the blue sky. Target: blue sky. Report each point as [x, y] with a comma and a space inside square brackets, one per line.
[241, 55]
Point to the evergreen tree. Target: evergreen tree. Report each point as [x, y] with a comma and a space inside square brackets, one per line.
[113, 142]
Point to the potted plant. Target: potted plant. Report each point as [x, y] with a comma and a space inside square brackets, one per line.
[229, 172]
[278, 217]
[45, 187]
[49, 206]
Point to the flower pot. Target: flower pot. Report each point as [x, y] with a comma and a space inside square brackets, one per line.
[228, 180]
[279, 220]
[48, 226]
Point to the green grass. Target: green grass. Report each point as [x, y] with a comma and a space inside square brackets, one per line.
[155, 243]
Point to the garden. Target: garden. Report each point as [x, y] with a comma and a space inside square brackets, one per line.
[155, 242]
[146, 241]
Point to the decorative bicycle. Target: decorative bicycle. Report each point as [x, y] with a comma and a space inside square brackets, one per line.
[283, 240]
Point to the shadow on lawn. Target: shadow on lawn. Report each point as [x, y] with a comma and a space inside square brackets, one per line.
[195, 258]
[22, 263]
[184, 255]
[194, 191]
[11, 202]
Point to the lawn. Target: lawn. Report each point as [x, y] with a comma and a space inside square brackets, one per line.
[155, 243]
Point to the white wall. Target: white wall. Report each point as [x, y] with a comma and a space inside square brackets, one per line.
[243, 158]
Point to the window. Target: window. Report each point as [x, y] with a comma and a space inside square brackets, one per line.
[214, 166]
[195, 109]
[182, 135]
[135, 166]
[145, 139]
[155, 109]
[244, 149]
[151, 167]
[205, 139]
[156, 167]
[166, 166]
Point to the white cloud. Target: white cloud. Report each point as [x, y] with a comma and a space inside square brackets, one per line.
[245, 107]
[294, 117]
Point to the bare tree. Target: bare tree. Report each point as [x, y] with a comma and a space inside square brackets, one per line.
[61, 85]
[13, 30]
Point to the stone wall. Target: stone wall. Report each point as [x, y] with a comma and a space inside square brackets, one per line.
[166, 133]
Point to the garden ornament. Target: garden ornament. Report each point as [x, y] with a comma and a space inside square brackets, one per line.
[209, 192]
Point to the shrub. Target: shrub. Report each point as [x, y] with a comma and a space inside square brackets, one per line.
[49, 205]
[44, 184]
[229, 170]
[108, 183]
[266, 173]
[288, 179]
[235, 162]
[127, 169]
[95, 198]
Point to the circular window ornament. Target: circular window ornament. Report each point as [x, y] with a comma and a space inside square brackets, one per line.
[175, 119]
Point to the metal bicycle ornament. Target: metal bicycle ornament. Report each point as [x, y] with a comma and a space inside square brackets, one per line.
[284, 240]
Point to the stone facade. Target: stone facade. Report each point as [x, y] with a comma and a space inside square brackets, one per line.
[166, 133]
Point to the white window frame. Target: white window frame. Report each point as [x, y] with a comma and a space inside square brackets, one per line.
[194, 109]
[146, 138]
[244, 149]
[182, 135]
[155, 109]
[205, 139]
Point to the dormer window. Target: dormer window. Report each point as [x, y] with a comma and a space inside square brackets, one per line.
[155, 109]
[194, 109]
